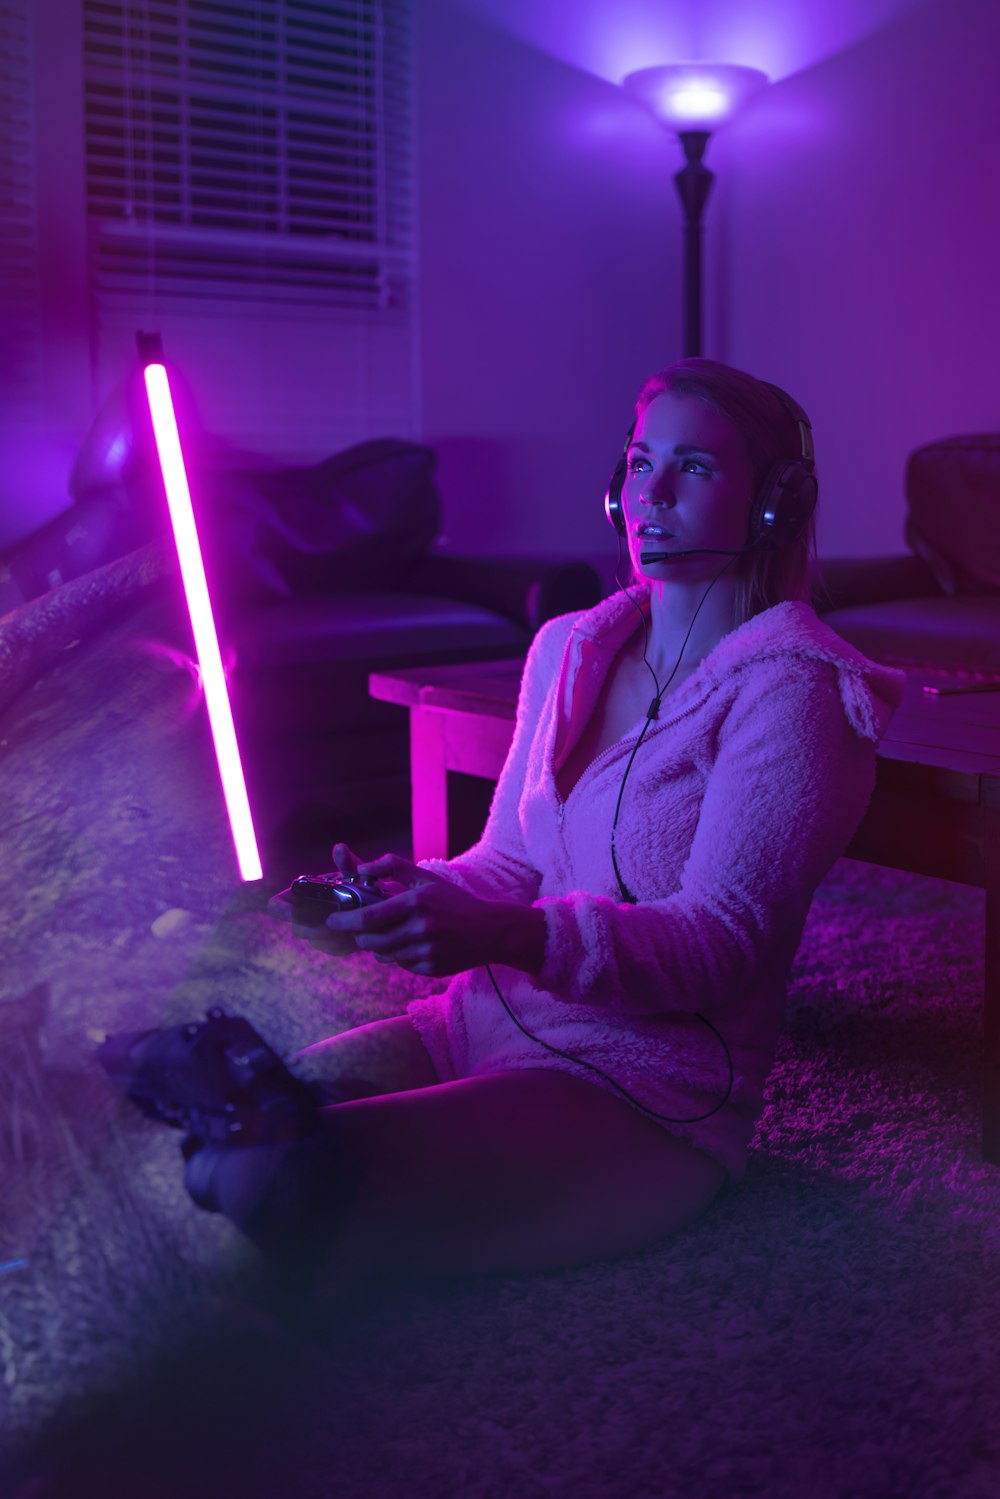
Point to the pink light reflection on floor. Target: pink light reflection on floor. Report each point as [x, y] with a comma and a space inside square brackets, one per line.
[220, 715]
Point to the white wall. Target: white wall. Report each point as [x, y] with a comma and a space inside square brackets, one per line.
[43, 419]
[849, 244]
[548, 265]
[858, 220]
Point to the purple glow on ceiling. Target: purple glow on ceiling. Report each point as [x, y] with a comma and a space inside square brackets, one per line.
[778, 36]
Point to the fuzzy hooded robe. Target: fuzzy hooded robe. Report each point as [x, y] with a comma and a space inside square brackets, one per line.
[742, 794]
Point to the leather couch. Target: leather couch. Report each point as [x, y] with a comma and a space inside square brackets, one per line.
[937, 608]
[329, 573]
[320, 575]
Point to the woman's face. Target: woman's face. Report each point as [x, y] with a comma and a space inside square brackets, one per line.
[688, 486]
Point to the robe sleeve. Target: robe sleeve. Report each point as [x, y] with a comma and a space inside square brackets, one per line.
[498, 866]
[792, 776]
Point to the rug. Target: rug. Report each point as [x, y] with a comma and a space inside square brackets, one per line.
[828, 1328]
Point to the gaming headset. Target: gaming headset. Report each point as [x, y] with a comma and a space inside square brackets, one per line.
[783, 504]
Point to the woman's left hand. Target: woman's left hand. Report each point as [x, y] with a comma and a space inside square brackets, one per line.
[434, 927]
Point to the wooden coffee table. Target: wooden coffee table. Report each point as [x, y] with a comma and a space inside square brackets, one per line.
[935, 811]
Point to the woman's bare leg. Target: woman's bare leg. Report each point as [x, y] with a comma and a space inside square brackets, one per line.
[510, 1172]
[386, 1056]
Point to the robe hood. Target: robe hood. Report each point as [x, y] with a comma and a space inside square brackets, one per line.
[870, 692]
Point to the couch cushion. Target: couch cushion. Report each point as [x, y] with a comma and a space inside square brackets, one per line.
[355, 521]
[953, 493]
[375, 628]
[959, 635]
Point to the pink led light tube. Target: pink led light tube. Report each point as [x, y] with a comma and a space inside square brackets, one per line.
[213, 678]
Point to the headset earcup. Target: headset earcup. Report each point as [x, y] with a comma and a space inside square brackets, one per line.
[613, 507]
[784, 504]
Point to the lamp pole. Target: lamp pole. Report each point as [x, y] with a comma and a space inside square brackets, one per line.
[693, 99]
[693, 183]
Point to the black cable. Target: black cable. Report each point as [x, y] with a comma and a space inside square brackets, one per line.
[653, 711]
[616, 1085]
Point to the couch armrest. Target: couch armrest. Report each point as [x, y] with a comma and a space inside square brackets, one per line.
[848, 582]
[99, 528]
[529, 590]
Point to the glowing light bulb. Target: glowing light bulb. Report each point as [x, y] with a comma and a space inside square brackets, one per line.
[695, 96]
[698, 101]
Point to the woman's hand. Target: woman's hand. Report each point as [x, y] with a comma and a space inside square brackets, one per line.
[323, 939]
[434, 927]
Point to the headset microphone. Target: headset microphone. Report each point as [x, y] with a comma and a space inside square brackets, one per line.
[647, 557]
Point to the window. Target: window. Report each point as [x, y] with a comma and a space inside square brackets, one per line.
[249, 194]
[20, 338]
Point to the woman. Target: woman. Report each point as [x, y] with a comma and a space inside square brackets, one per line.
[639, 894]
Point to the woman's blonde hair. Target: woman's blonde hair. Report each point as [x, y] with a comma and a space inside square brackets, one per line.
[770, 433]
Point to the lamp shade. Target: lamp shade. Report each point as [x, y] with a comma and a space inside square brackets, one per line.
[695, 95]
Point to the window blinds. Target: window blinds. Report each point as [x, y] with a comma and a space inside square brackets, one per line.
[20, 336]
[249, 192]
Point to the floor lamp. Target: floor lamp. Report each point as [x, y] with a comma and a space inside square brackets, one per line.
[693, 99]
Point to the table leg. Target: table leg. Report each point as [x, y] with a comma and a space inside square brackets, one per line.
[428, 784]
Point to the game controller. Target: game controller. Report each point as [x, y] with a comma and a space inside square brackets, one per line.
[314, 897]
